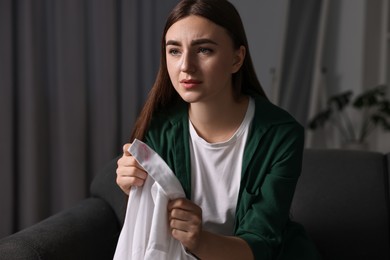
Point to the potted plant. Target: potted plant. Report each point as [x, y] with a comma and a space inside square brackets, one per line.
[372, 106]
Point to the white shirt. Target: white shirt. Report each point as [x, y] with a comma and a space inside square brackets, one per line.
[216, 175]
[145, 234]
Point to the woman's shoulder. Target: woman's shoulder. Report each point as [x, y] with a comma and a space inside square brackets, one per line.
[170, 115]
[166, 122]
[165, 131]
[269, 114]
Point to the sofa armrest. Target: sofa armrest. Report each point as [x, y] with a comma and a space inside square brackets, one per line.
[89, 230]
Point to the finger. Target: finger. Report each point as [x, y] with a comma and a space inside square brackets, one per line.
[185, 220]
[124, 186]
[127, 182]
[183, 204]
[131, 172]
[126, 149]
[188, 235]
[179, 225]
[180, 235]
[129, 161]
[179, 204]
[180, 214]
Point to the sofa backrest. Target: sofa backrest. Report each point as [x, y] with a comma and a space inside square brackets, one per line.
[342, 199]
[104, 186]
[388, 174]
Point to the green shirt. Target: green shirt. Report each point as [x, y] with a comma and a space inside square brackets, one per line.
[270, 170]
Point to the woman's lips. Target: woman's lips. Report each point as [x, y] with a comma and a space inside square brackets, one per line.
[190, 83]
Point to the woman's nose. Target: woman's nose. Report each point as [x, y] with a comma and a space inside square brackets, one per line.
[188, 63]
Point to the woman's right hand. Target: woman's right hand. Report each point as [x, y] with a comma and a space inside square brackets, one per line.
[129, 172]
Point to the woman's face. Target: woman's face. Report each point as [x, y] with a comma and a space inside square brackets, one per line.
[201, 59]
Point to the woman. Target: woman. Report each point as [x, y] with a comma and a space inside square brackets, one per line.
[237, 156]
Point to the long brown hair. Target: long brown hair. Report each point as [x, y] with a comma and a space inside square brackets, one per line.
[163, 94]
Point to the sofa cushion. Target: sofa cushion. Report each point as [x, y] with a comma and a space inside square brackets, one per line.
[342, 200]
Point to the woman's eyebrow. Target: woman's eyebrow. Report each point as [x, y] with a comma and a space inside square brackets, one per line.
[203, 41]
[193, 42]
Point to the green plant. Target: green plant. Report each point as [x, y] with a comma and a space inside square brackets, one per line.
[372, 106]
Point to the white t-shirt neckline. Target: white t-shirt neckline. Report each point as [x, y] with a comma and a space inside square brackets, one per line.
[240, 130]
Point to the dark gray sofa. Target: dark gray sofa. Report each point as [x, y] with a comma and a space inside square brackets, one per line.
[342, 199]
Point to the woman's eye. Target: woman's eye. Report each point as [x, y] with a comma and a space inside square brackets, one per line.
[174, 52]
[205, 50]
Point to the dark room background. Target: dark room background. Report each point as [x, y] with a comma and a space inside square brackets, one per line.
[74, 74]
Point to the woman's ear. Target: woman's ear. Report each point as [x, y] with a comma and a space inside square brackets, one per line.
[239, 57]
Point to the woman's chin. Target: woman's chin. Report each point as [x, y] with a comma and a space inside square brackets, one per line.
[190, 98]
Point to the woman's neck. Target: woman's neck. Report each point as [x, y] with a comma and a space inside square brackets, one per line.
[218, 121]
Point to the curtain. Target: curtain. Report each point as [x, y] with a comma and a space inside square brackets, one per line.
[299, 53]
[73, 76]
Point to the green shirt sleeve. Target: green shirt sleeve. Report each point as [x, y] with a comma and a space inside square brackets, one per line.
[268, 187]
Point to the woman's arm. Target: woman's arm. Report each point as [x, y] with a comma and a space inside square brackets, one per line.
[268, 188]
[213, 246]
[185, 220]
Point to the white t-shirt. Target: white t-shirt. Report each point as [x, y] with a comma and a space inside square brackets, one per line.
[216, 175]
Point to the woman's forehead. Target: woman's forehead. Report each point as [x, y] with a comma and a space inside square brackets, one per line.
[195, 28]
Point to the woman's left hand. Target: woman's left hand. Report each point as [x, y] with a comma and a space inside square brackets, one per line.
[185, 221]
